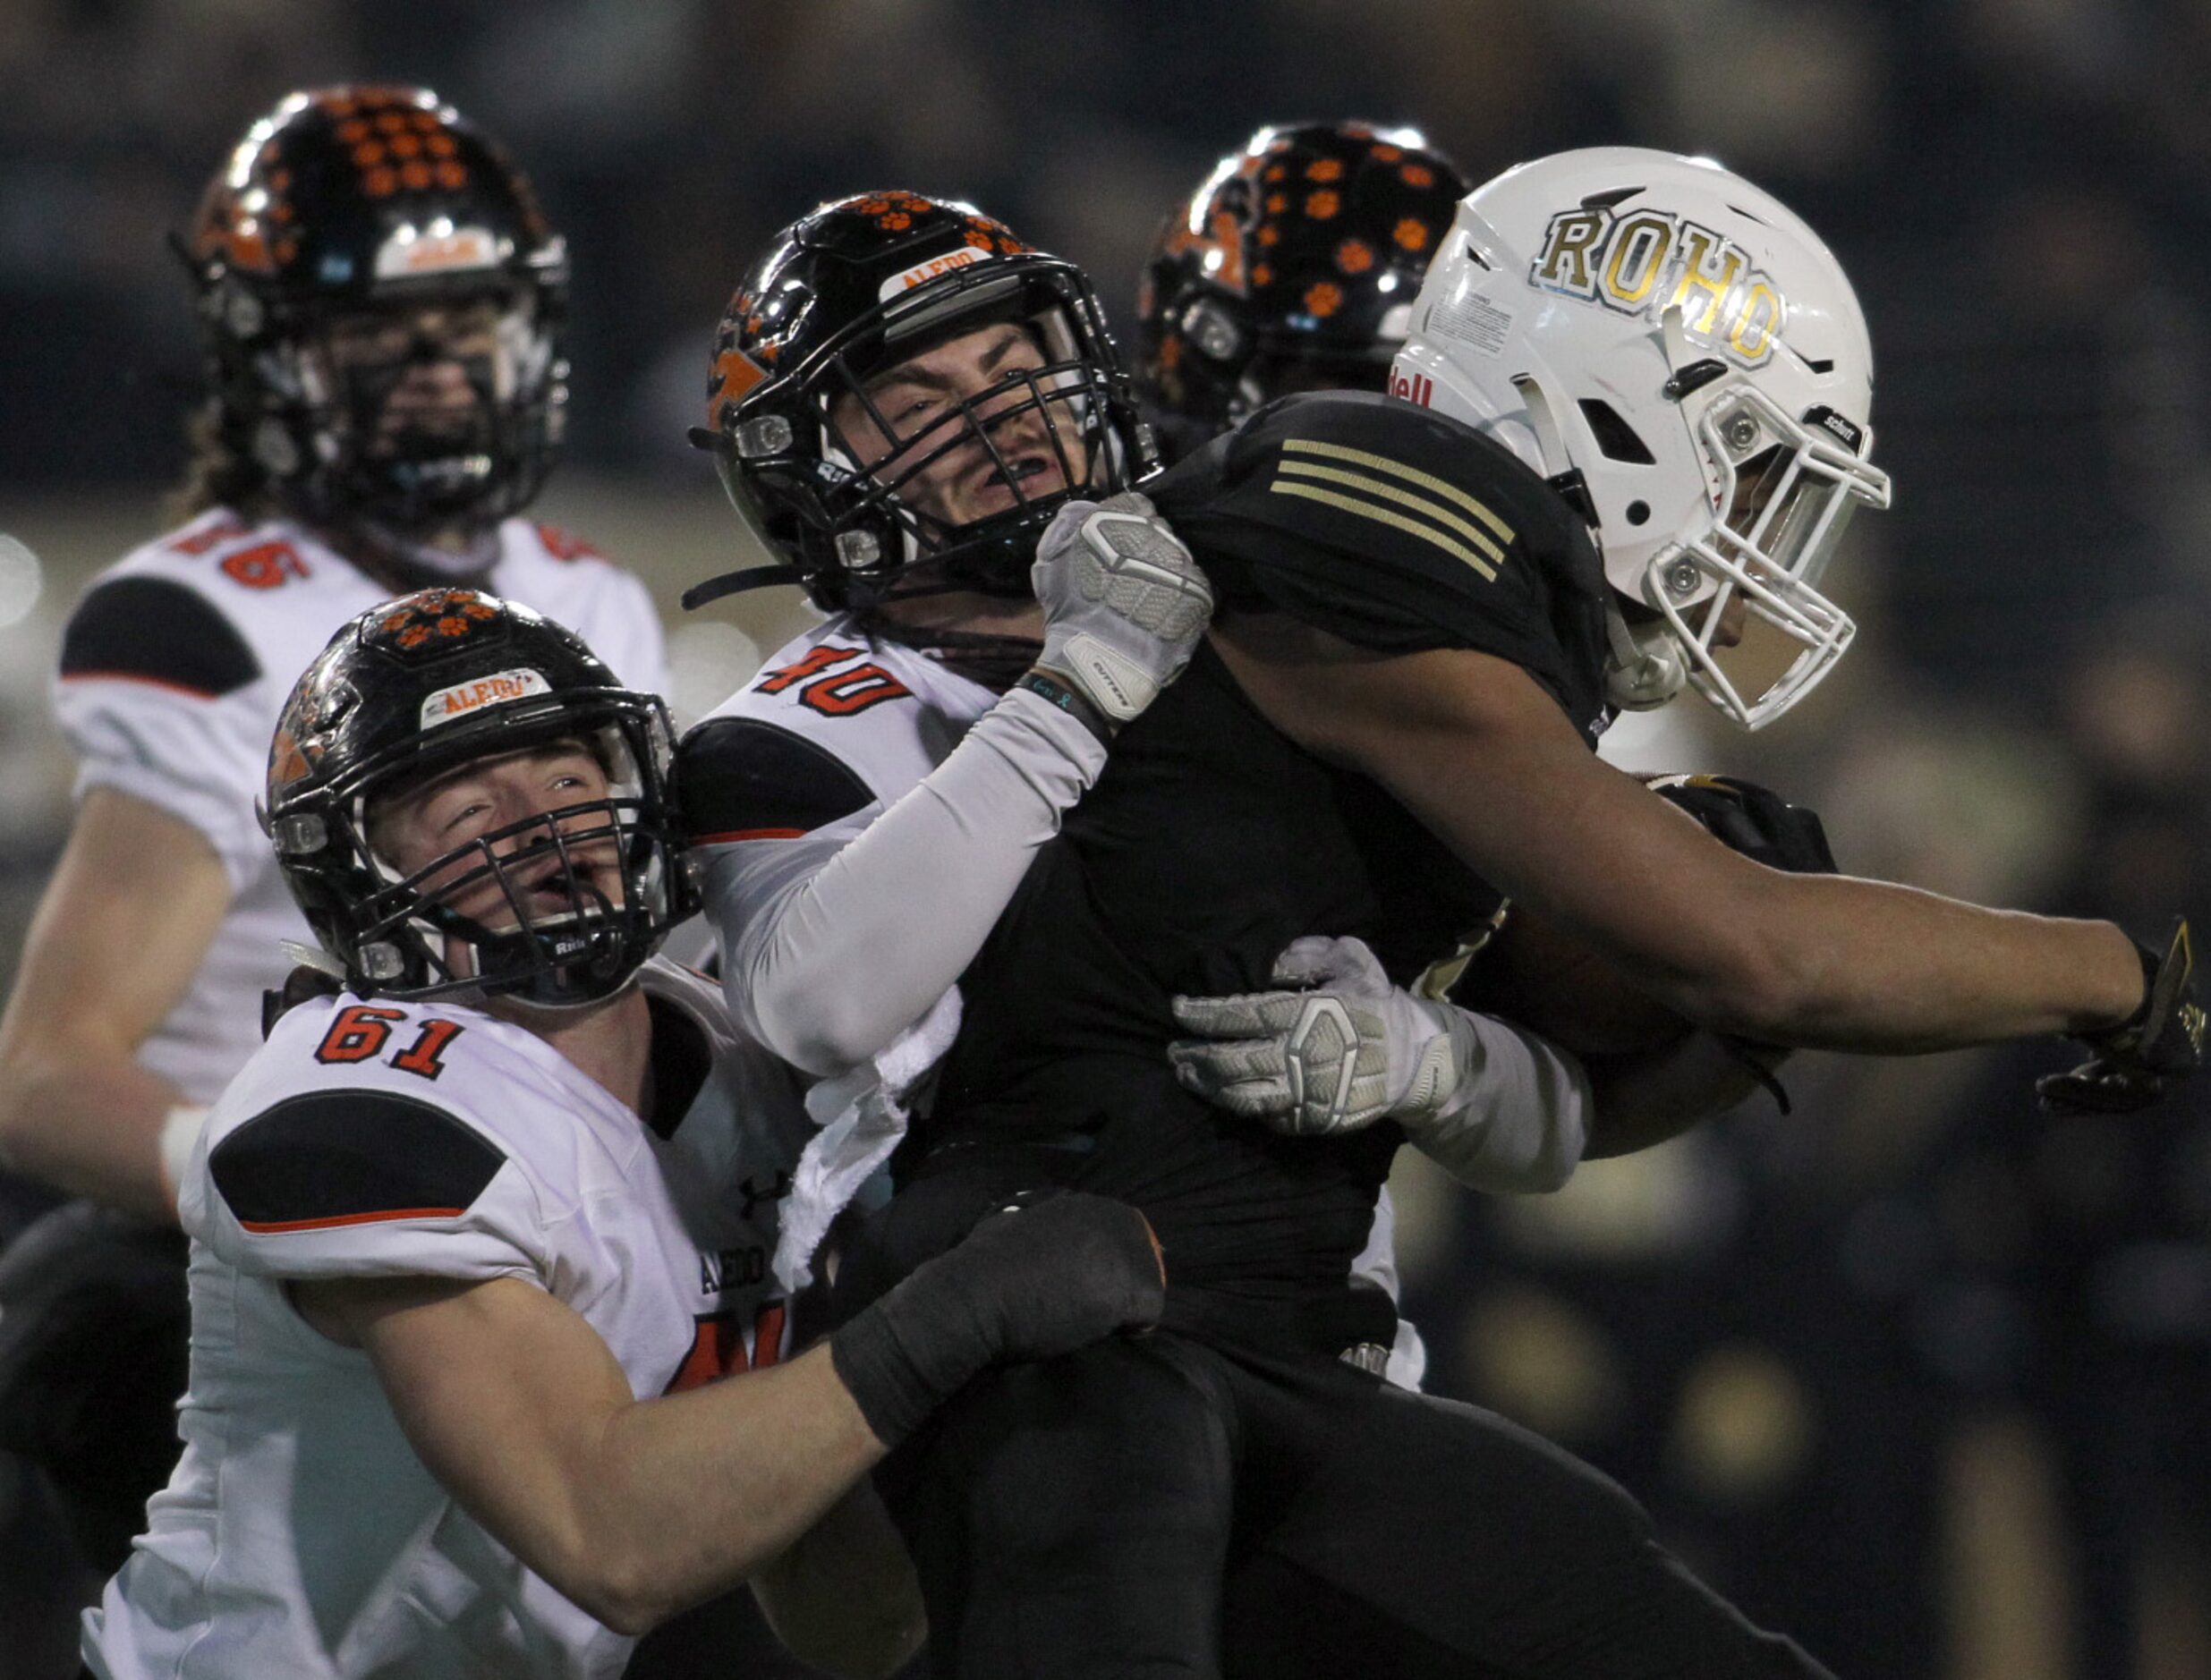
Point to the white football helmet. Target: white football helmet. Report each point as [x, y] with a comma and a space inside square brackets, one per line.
[1655, 332]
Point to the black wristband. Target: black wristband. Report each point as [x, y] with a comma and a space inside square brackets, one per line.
[1068, 698]
[881, 1377]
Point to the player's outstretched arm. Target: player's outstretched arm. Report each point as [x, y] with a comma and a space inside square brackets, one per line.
[1483, 757]
[635, 1509]
[1587, 1067]
[125, 924]
[839, 940]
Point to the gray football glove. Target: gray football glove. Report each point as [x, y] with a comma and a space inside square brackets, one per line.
[1124, 603]
[1344, 1051]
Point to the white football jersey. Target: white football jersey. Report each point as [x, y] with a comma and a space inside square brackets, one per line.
[300, 1535]
[877, 716]
[175, 667]
[887, 713]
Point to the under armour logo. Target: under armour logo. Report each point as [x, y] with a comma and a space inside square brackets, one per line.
[776, 1192]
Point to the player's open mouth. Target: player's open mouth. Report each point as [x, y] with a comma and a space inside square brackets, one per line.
[1018, 472]
[562, 893]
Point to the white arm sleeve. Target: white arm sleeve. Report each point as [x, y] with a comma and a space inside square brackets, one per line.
[835, 942]
[1526, 1119]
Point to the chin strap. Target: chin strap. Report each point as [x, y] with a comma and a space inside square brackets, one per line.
[1568, 481]
[1637, 677]
[735, 582]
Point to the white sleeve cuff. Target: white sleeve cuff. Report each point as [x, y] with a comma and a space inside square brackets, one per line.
[1526, 1119]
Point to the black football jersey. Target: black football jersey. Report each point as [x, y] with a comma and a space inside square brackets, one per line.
[1211, 841]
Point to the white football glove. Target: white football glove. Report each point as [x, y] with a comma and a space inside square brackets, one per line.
[1344, 1051]
[1124, 603]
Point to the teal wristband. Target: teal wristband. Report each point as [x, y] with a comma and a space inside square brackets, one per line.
[1069, 699]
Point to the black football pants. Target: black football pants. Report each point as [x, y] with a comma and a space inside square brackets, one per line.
[1161, 1506]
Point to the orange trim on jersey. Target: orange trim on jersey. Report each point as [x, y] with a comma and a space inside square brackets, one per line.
[150, 681]
[270, 1227]
[749, 834]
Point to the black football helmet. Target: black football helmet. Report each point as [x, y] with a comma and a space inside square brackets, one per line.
[1294, 267]
[859, 286]
[345, 202]
[415, 687]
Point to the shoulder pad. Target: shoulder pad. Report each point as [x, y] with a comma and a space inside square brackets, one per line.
[359, 1157]
[1398, 529]
[740, 778]
[155, 630]
[1399, 486]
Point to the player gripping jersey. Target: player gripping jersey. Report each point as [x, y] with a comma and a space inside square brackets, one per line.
[1395, 709]
[839, 725]
[829, 956]
[475, 1239]
[301, 1533]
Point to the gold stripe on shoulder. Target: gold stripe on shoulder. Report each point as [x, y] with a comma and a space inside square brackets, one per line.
[1382, 463]
[1419, 504]
[1387, 516]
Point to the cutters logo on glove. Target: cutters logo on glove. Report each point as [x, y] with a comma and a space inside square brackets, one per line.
[1324, 1035]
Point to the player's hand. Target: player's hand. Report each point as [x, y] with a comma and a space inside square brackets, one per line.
[1037, 1280]
[1753, 820]
[1124, 603]
[1061, 1271]
[2159, 1044]
[1342, 1050]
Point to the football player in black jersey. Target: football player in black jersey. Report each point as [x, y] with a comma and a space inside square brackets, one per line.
[1387, 727]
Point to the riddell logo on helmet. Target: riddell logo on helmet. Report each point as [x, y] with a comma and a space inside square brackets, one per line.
[1647, 262]
[1413, 388]
[463, 698]
[929, 270]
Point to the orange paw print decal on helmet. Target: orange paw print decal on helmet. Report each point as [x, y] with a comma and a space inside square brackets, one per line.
[985, 234]
[893, 212]
[435, 615]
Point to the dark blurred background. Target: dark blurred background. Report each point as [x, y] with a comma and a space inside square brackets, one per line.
[1913, 1374]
